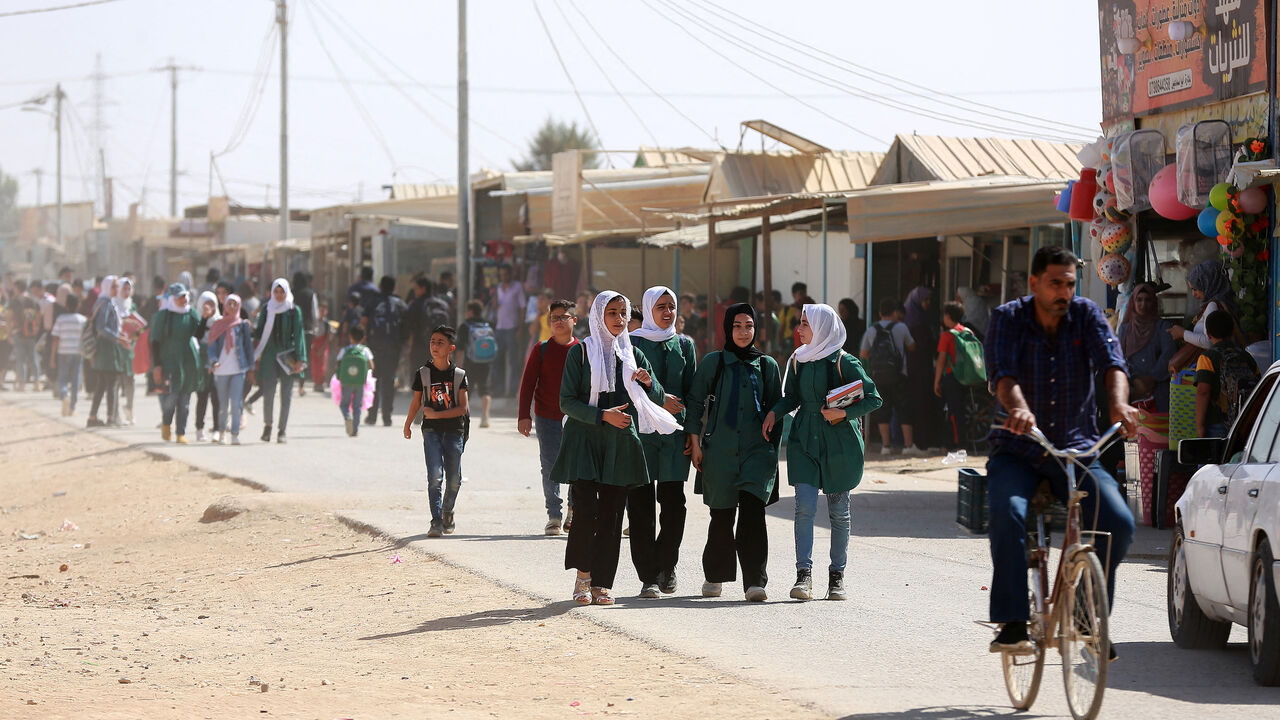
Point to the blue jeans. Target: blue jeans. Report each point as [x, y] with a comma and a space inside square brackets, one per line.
[1011, 483]
[26, 366]
[352, 399]
[549, 435]
[69, 376]
[231, 389]
[444, 462]
[510, 363]
[175, 403]
[269, 399]
[837, 511]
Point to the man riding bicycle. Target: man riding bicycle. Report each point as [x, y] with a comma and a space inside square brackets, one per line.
[1043, 353]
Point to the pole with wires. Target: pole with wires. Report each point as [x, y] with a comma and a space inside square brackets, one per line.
[462, 274]
[57, 123]
[282, 19]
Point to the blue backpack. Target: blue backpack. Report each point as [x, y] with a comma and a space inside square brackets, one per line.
[482, 346]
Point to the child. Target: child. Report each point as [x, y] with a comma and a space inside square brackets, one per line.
[540, 387]
[230, 348]
[355, 362]
[66, 357]
[945, 384]
[440, 391]
[1225, 374]
[473, 332]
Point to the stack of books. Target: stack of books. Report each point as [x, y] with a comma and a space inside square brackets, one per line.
[845, 395]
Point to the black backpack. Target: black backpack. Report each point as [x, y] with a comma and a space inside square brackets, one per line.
[884, 361]
[1238, 376]
[384, 321]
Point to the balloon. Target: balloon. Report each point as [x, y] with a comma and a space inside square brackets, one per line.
[1220, 196]
[1115, 238]
[1163, 194]
[1113, 269]
[1207, 220]
[1253, 200]
[1229, 225]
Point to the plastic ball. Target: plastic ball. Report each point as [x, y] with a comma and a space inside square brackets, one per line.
[1109, 180]
[1115, 238]
[1100, 201]
[1163, 194]
[1113, 269]
[1096, 226]
[1220, 196]
[1207, 221]
[1253, 200]
[1115, 214]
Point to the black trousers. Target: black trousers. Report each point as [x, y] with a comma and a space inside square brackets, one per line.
[595, 537]
[385, 363]
[655, 552]
[105, 386]
[202, 403]
[750, 542]
[956, 397]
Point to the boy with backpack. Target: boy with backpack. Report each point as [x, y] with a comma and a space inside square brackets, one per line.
[440, 394]
[1225, 375]
[960, 366]
[25, 320]
[884, 353]
[355, 362]
[385, 341]
[480, 351]
[540, 388]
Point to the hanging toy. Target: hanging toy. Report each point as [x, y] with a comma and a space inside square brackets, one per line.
[1100, 200]
[1115, 238]
[1096, 226]
[1113, 269]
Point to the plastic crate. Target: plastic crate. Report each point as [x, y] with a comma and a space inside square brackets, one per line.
[971, 500]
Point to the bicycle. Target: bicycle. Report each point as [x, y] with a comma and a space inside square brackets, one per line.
[1073, 614]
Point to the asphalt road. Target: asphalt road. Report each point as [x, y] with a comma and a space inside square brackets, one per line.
[905, 645]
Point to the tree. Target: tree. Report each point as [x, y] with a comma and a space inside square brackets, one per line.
[555, 136]
[8, 203]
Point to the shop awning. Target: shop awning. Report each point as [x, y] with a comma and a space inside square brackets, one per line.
[951, 207]
[696, 235]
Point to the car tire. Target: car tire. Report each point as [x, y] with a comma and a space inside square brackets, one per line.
[1264, 618]
[1190, 628]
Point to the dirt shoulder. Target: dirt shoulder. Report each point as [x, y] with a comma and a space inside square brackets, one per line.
[121, 603]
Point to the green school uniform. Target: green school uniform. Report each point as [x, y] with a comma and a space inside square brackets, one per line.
[592, 449]
[108, 355]
[173, 348]
[820, 454]
[674, 363]
[736, 457]
[286, 334]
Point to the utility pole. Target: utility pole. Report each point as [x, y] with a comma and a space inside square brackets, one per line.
[173, 69]
[462, 274]
[39, 173]
[57, 121]
[282, 18]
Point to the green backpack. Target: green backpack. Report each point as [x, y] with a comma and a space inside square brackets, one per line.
[968, 367]
[353, 367]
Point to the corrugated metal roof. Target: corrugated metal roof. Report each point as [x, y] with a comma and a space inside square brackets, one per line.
[657, 157]
[695, 236]
[409, 191]
[919, 158]
[743, 175]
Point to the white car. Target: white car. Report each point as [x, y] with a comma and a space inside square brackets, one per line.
[1222, 562]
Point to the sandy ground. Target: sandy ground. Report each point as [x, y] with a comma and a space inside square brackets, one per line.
[121, 599]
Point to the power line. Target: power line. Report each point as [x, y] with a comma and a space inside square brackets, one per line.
[567, 74]
[56, 8]
[249, 108]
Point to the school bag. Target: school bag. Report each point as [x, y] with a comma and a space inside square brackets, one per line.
[30, 320]
[88, 340]
[353, 367]
[1237, 378]
[482, 346]
[424, 375]
[884, 361]
[384, 322]
[968, 368]
[437, 312]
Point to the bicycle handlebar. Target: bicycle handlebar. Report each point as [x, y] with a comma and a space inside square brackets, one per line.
[1035, 434]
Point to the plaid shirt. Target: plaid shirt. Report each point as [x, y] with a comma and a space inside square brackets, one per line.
[1056, 374]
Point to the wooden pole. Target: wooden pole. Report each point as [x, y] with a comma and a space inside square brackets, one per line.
[712, 241]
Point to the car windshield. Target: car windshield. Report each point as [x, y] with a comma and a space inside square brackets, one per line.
[1266, 435]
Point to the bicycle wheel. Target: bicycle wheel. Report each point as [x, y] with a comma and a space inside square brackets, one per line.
[1022, 671]
[1085, 643]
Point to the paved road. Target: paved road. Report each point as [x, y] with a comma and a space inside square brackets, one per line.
[904, 645]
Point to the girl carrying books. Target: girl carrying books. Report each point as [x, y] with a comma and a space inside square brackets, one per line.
[280, 354]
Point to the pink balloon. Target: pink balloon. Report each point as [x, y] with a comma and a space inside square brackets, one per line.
[1253, 200]
[1163, 194]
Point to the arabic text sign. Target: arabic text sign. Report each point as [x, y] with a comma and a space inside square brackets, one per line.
[1182, 53]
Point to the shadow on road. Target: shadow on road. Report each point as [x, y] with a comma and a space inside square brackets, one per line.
[488, 618]
[895, 513]
[944, 713]
[1204, 677]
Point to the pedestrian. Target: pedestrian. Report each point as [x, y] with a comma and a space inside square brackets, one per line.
[25, 316]
[509, 306]
[976, 311]
[854, 325]
[355, 362]
[1148, 347]
[130, 328]
[249, 297]
[206, 389]
[440, 400]
[923, 321]
[367, 291]
[884, 352]
[280, 355]
[1225, 375]
[6, 336]
[610, 398]
[307, 302]
[319, 353]
[824, 452]
[1208, 283]
[151, 305]
[384, 333]
[478, 355]
[110, 354]
[230, 355]
[737, 464]
[175, 366]
[655, 546]
[954, 394]
[540, 388]
[66, 357]
[424, 314]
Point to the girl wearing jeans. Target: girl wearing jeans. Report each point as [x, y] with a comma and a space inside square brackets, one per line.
[230, 348]
[279, 330]
[824, 452]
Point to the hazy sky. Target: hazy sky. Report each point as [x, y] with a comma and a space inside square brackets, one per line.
[1036, 58]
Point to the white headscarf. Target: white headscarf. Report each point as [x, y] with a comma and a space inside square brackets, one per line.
[274, 308]
[208, 297]
[650, 330]
[104, 294]
[122, 303]
[829, 336]
[604, 350]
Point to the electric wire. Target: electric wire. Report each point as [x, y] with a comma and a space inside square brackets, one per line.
[567, 74]
[257, 88]
[55, 8]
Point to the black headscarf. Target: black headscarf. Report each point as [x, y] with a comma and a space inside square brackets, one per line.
[748, 353]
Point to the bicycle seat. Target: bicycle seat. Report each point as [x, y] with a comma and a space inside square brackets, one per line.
[1045, 502]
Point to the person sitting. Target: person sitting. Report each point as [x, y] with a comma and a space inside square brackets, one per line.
[1225, 374]
[1148, 347]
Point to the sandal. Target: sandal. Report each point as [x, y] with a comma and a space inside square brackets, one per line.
[582, 591]
[601, 596]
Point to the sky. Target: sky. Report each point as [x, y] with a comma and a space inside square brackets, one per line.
[372, 85]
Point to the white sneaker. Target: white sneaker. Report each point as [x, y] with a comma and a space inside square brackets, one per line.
[710, 589]
[199, 436]
[886, 450]
[913, 451]
[235, 439]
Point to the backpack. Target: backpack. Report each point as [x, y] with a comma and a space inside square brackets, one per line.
[1237, 378]
[30, 320]
[424, 376]
[436, 312]
[482, 346]
[353, 367]
[88, 340]
[384, 321]
[968, 368]
[884, 361]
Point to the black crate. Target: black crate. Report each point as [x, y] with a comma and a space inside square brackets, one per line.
[971, 501]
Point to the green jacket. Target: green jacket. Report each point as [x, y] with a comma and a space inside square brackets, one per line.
[674, 362]
[590, 448]
[108, 355]
[826, 456]
[173, 348]
[735, 457]
[286, 334]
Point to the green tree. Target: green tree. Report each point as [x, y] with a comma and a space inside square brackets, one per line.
[555, 136]
[8, 203]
